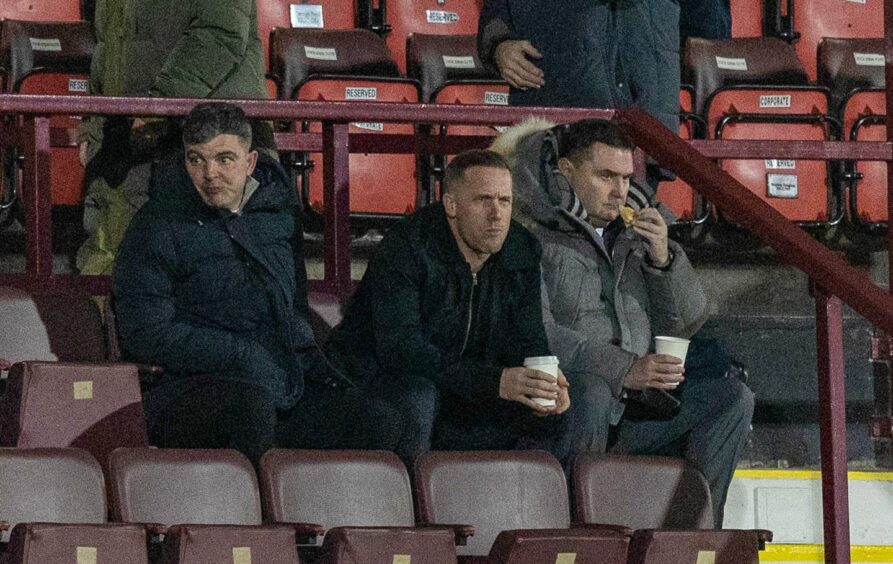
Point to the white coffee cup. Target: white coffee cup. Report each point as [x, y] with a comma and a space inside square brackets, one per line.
[673, 346]
[547, 364]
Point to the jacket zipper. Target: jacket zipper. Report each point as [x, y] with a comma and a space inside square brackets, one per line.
[474, 283]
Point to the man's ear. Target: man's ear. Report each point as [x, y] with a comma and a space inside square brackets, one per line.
[252, 161]
[565, 166]
[449, 204]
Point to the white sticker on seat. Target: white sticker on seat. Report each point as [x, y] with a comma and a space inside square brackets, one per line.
[782, 185]
[706, 557]
[402, 559]
[360, 93]
[370, 126]
[440, 17]
[85, 555]
[78, 85]
[565, 558]
[782, 164]
[241, 555]
[496, 98]
[321, 53]
[83, 390]
[775, 101]
[729, 63]
[452, 62]
[869, 59]
[39, 44]
[306, 15]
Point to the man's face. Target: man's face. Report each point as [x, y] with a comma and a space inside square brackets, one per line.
[479, 209]
[219, 169]
[600, 179]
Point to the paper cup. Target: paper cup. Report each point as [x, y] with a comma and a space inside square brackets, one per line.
[673, 346]
[547, 364]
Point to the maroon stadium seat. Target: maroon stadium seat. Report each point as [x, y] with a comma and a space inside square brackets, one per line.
[757, 89]
[673, 547]
[50, 326]
[51, 485]
[53, 543]
[847, 65]
[90, 406]
[51, 58]
[41, 10]
[677, 494]
[312, 14]
[364, 495]
[224, 544]
[505, 491]
[350, 65]
[577, 546]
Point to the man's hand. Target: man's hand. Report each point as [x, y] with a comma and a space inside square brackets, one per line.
[82, 153]
[523, 384]
[514, 66]
[563, 402]
[655, 371]
[137, 123]
[652, 227]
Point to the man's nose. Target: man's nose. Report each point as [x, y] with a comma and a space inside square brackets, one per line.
[210, 170]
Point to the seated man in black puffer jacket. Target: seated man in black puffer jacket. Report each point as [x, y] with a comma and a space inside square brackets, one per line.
[210, 284]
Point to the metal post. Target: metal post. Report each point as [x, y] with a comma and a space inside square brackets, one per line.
[336, 198]
[37, 200]
[888, 73]
[832, 420]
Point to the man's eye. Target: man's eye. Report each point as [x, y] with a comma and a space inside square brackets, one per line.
[194, 161]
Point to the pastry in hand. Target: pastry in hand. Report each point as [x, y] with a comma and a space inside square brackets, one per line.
[628, 214]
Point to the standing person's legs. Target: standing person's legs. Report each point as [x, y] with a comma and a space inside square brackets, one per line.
[217, 414]
[709, 431]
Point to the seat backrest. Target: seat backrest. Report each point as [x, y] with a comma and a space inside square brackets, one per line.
[296, 54]
[336, 487]
[41, 10]
[709, 65]
[432, 17]
[56, 326]
[183, 486]
[102, 407]
[672, 547]
[847, 64]
[312, 14]
[493, 491]
[26, 46]
[53, 543]
[434, 60]
[640, 492]
[53, 485]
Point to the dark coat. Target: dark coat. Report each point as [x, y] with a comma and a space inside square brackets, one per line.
[596, 53]
[420, 314]
[207, 293]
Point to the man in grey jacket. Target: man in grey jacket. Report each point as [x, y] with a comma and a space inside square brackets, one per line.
[609, 288]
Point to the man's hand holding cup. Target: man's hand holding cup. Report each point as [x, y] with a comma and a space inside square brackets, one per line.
[539, 384]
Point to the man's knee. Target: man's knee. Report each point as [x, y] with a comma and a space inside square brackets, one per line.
[739, 400]
[592, 408]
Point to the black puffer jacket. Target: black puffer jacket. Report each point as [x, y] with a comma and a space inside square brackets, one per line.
[596, 53]
[207, 293]
[419, 313]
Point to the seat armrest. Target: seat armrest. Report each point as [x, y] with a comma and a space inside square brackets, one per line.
[306, 533]
[605, 527]
[763, 536]
[461, 532]
[4, 525]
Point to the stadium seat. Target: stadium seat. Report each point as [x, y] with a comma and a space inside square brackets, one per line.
[41, 10]
[673, 547]
[747, 18]
[349, 65]
[102, 407]
[225, 544]
[678, 495]
[677, 194]
[814, 20]
[50, 485]
[757, 89]
[845, 65]
[431, 17]
[53, 543]
[50, 326]
[520, 491]
[312, 14]
[361, 545]
[52, 58]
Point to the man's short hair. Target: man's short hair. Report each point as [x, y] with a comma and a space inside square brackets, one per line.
[210, 119]
[577, 137]
[468, 159]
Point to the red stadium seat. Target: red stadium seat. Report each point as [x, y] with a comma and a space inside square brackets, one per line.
[305, 14]
[52, 58]
[431, 17]
[678, 195]
[846, 65]
[350, 65]
[814, 20]
[41, 10]
[747, 18]
[864, 116]
[517, 503]
[747, 88]
[102, 407]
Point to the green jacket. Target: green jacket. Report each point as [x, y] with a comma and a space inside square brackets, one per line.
[175, 48]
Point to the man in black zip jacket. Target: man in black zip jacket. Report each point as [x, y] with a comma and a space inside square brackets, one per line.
[210, 285]
[449, 308]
